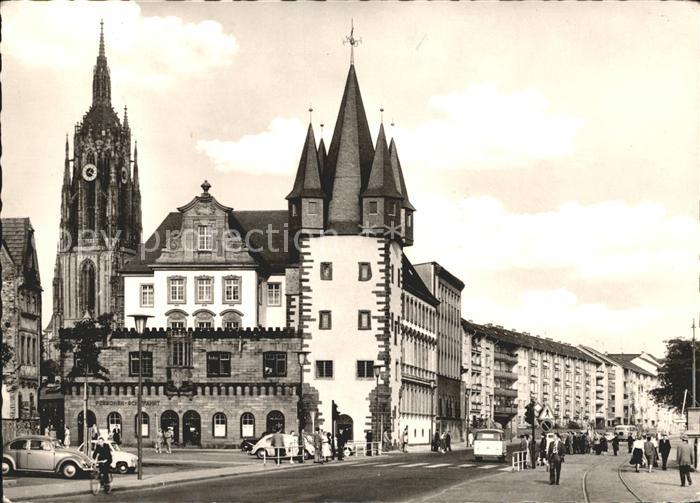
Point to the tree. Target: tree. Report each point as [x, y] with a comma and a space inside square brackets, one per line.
[85, 340]
[50, 369]
[675, 375]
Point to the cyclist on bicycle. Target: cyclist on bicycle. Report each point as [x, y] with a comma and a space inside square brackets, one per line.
[103, 456]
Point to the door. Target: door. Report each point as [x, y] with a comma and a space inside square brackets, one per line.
[90, 423]
[275, 422]
[344, 427]
[191, 428]
[170, 419]
[40, 455]
[19, 449]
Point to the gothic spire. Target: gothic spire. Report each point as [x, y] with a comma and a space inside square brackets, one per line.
[135, 176]
[126, 118]
[308, 180]
[322, 155]
[66, 168]
[382, 182]
[101, 85]
[396, 166]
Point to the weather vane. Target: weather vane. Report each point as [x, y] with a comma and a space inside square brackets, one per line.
[352, 41]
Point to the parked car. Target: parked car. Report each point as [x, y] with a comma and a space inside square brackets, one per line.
[122, 461]
[38, 453]
[490, 443]
[263, 447]
[248, 443]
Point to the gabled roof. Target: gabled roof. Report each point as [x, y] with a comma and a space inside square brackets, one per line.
[383, 181]
[526, 341]
[308, 180]
[396, 165]
[625, 361]
[412, 282]
[349, 158]
[15, 237]
[269, 238]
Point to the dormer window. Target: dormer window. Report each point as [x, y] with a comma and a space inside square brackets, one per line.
[204, 238]
[373, 207]
[313, 207]
[392, 209]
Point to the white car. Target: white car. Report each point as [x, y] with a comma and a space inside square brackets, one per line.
[490, 443]
[122, 461]
[263, 447]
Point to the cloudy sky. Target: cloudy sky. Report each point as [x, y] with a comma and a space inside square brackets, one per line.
[551, 149]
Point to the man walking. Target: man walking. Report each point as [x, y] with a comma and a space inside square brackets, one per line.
[615, 444]
[630, 443]
[448, 442]
[318, 446]
[649, 452]
[684, 457]
[664, 450]
[169, 440]
[555, 455]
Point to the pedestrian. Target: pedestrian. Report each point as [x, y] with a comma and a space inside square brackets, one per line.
[630, 443]
[331, 444]
[326, 447]
[685, 460]
[292, 445]
[637, 453]
[655, 441]
[95, 432]
[318, 446]
[543, 450]
[436, 442]
[386, 440]
[615, 444]
[278, 444]
[567, 443]
[597, 447]
[103, 456]
[448, 441]
[66, 437]
[169, 434]
[443, 442]
[340, 451]
[470, 439]
[158, 445]
[649, 452]
[555, 456]
[664, 450]
[116, 437]
[404, 440]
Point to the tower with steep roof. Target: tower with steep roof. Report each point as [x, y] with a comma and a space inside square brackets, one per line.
[100, 208]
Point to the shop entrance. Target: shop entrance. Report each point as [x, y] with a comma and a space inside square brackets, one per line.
[169, 418]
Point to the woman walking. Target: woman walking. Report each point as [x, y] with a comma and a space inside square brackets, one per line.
[637, 453]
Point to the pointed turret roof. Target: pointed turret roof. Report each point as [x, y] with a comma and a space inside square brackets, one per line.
[66, 168]
[396, 166]
[382, 181]
[349, 158]
[322, 156]
[135, 176]
[308, 180]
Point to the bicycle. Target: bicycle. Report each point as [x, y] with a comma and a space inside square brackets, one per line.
[96, 479]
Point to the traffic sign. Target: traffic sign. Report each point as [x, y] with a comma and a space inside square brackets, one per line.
[546, 425]
[546, 413]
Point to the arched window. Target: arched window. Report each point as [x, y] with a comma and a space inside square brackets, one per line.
[87, 287]
[145, 424]
[20, 406]
[170, 419]
[114, 420]
[247, 425]
[177, 319]
[203, 319]
[231, 319]
[275, 422]
[219, 425]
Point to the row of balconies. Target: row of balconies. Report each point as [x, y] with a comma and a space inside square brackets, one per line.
[505, 357]
[505, 374]
[505, 392]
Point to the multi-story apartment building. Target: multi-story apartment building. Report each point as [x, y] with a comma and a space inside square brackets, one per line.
[479, 379]
[447, 288]
[21, 326]
[418, 357]
[555, 374]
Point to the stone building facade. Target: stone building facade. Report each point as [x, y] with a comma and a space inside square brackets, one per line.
[21, 325]
[214, 387]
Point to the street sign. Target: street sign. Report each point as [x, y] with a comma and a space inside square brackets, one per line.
[546, 413]
[546, 425]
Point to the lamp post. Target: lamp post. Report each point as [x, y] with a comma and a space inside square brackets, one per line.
[140, 321]
[377, 371]
[303, 360]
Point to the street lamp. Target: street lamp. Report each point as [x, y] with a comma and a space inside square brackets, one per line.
[140, 321]
[378, 367]
[303, 360]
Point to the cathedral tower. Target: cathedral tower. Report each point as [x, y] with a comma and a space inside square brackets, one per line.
[100, 209]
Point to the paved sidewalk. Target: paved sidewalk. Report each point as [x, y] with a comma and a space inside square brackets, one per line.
[661, 485]
[81, 486]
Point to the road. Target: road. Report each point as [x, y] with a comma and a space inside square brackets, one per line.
[389, 478]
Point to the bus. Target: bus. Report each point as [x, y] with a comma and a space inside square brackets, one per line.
[624, 430]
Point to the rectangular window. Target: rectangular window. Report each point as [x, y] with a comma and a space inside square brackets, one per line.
[364, 320]
[324, 320]
[365, 369]
[326, 271]
[324, 369]
[181, 354]
[232, 325]
[204, 238]
[274, 364]
[232, 289]
[313, 207]
[218, 364]
[176, 290]
[146, 368]
[147, 295]
[274, 294]
[392, 209]
[373, 207]
[364, 271]
[177, 325]
[409, 220]
[204, 290]
[201, 324]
